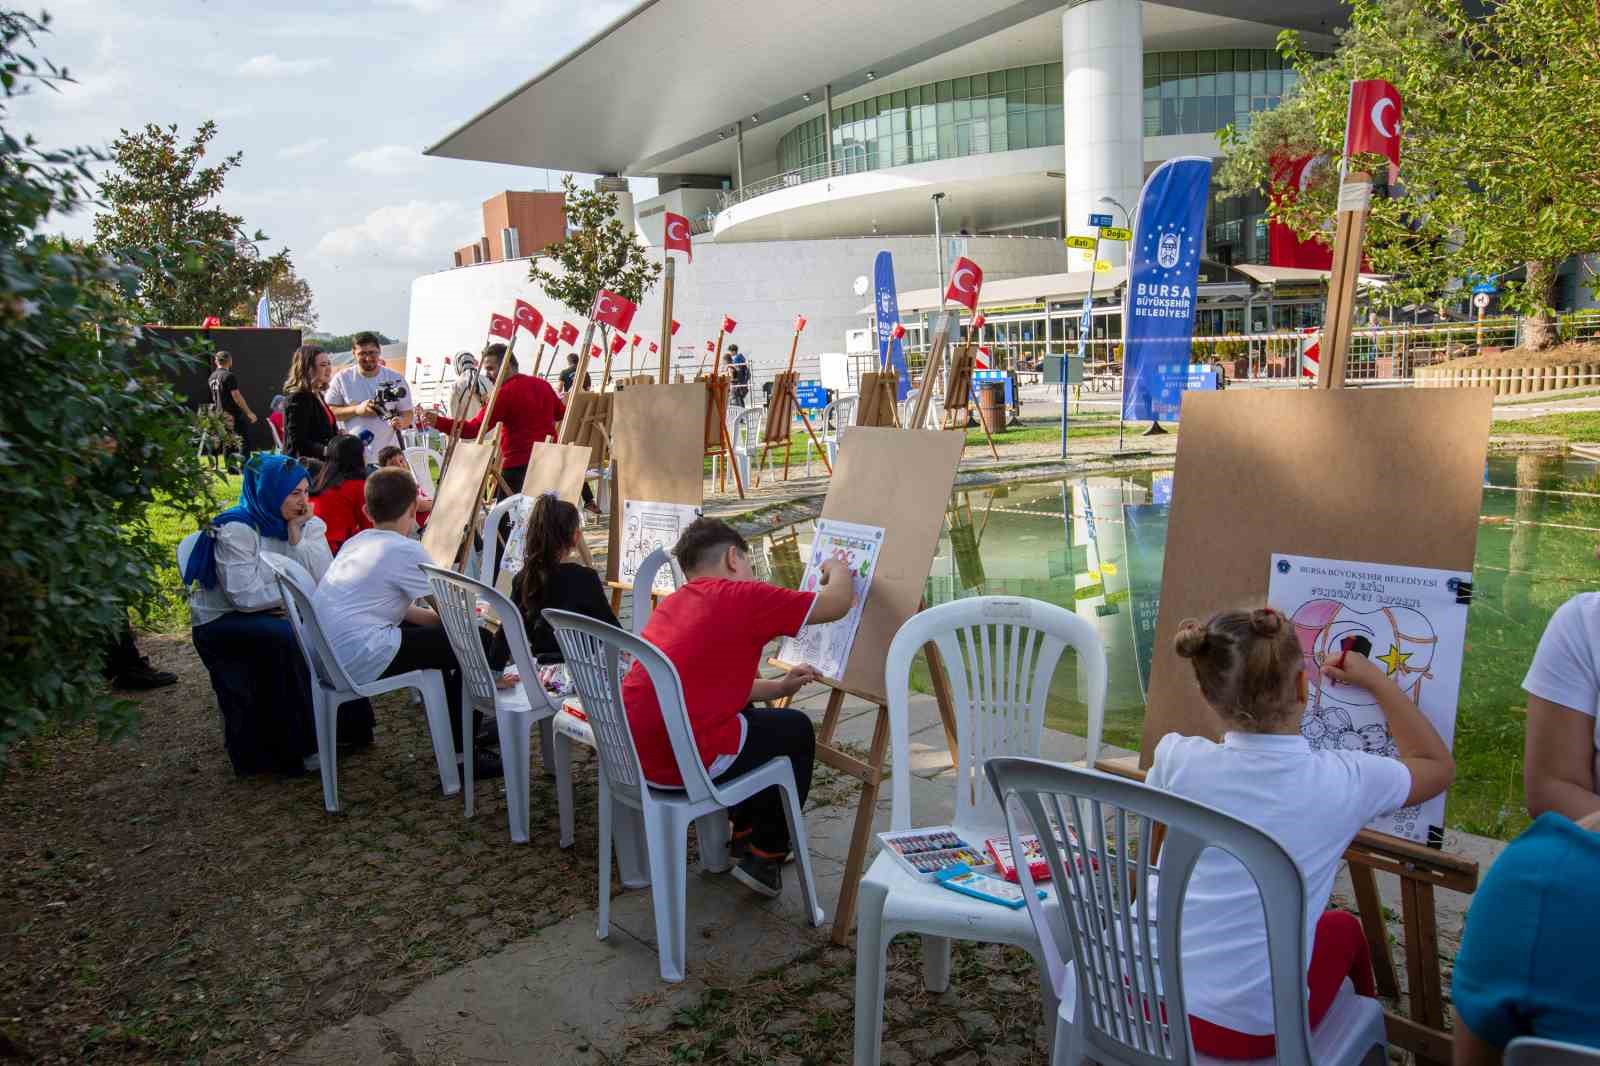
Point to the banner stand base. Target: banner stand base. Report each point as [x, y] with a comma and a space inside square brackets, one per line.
[1155, 430]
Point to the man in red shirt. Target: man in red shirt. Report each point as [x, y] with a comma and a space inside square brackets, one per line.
[713, 629]
[527, 407]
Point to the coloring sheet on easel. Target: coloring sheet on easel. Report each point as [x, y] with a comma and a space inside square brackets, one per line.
[646, 526]
[1410, 621]
[827, 647]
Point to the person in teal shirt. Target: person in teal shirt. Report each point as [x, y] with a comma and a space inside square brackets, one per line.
[1530, 957]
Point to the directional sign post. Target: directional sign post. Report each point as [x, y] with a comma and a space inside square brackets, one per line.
[1115, 233]
[1100, 221]
[1083, 244]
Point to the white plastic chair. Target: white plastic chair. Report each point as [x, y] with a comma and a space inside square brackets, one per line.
[841, 416]
[1127, 990]
[421, 469]
[515, 710]
[331, 687]
[645, 579]
[1536, 1051]
[746, 437]
[594, 653]
[1000, 654]
[277, 438]
[488, 568]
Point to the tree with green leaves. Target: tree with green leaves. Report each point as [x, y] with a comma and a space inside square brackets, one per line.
[159, 194]
[341, 342]
[290, 303]
[599, 252]
[1500, 165]
[91, 430]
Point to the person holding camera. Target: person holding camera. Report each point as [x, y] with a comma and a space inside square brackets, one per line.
[372, 401]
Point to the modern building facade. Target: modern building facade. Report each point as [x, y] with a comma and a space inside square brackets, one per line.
[778, 129]
[516, 224]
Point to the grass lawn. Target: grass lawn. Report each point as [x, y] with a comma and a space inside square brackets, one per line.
[169, 612]
[1571, 425]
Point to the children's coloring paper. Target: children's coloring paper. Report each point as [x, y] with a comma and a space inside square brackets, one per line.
[827, 647]
[646, 526]
[1414, 619]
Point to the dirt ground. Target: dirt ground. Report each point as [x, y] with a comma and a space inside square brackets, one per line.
[1560, 355]
[156, 908]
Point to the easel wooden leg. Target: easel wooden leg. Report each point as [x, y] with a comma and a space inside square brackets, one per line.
[1422, 954]
[844, 912]
[1370, 909]
[986, 436]
[830, 717]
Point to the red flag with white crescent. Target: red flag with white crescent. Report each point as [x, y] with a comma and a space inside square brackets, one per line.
[501, 326]
[569, 333]
[728, 324]
[966, 279]
[1373, 124]
[613, 310]
[799, 323]
[594, 351]
[676, 233]
[636, 340]
[653, 348]
[675, 325]
[898, 332]
[617, 341]
[528, 317]
[551, 335]
[1284, 247]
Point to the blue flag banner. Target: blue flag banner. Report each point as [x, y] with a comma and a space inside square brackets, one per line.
[1163, 272]
[891, 353]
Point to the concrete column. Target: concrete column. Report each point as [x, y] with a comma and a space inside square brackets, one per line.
[738, 148]
[827, 126]
[1102, 48]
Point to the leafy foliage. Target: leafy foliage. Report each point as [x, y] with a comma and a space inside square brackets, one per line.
[90, 431]
[159, 199]
[599, 252]
[341, 342]
[1497, 173]
[289, 300]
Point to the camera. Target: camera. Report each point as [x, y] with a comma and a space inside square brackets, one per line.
[389, 392]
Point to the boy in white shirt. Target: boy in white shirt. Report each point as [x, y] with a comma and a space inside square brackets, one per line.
[367, 602]
[1252, 671]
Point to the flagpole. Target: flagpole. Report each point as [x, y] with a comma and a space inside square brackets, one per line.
[583, 366]
[666, 322]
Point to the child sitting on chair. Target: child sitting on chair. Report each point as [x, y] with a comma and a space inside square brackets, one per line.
[392, 455]
[713, 629]
[551, 578]
[1252, 672]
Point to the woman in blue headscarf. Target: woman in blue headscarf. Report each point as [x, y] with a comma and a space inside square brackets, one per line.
[239, 629]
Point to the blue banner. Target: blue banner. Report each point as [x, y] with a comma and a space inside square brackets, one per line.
[1163, 272]
[891, 353]
[811, 394]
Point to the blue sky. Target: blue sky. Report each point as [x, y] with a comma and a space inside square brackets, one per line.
[331, 104]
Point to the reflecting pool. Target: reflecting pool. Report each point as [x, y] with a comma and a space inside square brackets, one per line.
[1095, 546]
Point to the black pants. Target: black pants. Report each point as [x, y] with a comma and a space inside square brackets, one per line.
[772, 733]
[741, 395]
[428, 648]
[122, 655]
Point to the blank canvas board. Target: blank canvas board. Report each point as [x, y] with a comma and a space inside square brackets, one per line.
[658, 442]
[459, 492]
[1385, 476]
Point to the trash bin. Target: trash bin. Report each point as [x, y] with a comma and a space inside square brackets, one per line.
[992, 406]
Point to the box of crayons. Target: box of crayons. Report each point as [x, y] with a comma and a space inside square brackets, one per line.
[926, 852]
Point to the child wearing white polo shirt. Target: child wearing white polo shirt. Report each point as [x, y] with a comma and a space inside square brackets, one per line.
[1252, 671]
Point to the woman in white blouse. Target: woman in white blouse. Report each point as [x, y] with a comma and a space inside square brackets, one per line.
[238, 627]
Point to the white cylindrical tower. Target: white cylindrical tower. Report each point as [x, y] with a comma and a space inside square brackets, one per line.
[1102, 46]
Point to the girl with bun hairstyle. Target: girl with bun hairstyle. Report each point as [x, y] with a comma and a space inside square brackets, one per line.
[551, 578]
[1250, 668]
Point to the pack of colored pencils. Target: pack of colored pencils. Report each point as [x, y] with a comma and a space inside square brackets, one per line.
[926, 852]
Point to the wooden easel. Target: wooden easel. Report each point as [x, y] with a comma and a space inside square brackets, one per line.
[948, 324]
[1355, 203]
[780, 417]
[958, 397]
[875, 400]
[718, 443]
[1421, 870]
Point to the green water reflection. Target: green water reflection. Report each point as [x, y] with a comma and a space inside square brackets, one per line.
[1094, 545]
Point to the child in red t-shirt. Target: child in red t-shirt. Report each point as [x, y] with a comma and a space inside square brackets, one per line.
[714, 629]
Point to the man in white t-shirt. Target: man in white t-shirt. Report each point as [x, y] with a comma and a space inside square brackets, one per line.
[1561, 757]
[372, 401]
[367, 602]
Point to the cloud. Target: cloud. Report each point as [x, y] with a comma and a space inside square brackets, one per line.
[387, 160]
[270, 66]
[418, 231]
[303, 148]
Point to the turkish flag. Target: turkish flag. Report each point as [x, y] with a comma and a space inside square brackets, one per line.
[569, 333]
[728, 324]
[1284, 246]
[211, 322]
[966, 278]
[898, 332]
[978, 321]
[981, 360]
[550, 334]
[1373, 124]
[501, 326]
[594, 351]
[677, 235]
[617, 341]
[528, 317]
[613, 310]
[636, 340]
[711, 346]
[653, 348]
[675, 324]
[799, 323]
